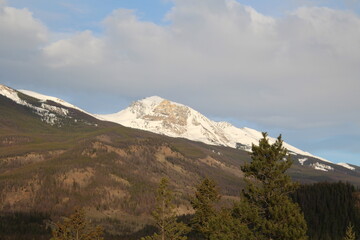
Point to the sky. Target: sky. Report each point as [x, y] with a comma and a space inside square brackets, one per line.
[284, 67]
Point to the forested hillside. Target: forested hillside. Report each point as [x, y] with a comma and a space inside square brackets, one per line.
[329, 208]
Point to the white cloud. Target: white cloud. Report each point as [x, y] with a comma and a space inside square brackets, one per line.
[3, 3]
[221, 57]
[81, 49]
[132, 39]
[21, 34]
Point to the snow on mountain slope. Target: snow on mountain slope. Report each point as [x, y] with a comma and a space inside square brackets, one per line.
[11, 94]
[162, 116]
[48, 112]
[44, 98]
[322, 167]
[345, 165]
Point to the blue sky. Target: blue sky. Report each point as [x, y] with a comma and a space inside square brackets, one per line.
[65, 16]
[287, 67]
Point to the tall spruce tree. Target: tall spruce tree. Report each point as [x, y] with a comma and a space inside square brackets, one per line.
[265, 205]
[165, 216]
[206, 196]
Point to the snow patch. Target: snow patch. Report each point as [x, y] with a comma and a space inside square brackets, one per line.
[58, 110]
[302, 160]
[345, 165]
[322, 167]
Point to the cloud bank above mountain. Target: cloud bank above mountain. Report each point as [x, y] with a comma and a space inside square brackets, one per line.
[223, 58]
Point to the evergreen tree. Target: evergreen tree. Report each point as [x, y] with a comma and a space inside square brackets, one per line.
[213, 224]
[227, 227]
[266, 207]
[76, 227]
[165, 216]
[206, 196]
[350, 234]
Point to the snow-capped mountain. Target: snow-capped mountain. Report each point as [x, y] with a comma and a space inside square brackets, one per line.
[51, 110]
[162, 116]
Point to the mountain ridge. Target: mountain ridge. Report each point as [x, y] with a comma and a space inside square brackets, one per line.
[161, 116]
[158, 115]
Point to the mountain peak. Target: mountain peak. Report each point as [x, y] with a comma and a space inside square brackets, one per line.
[152, 99]
[158, 115]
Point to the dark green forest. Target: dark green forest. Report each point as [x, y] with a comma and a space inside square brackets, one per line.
[25, 226]
[328, 209]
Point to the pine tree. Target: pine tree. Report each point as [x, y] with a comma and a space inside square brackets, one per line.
[76, 227]
[350, 234]
[165, 216]
[266, 207]
[227, 227]
[206, 196]
[215, 224]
